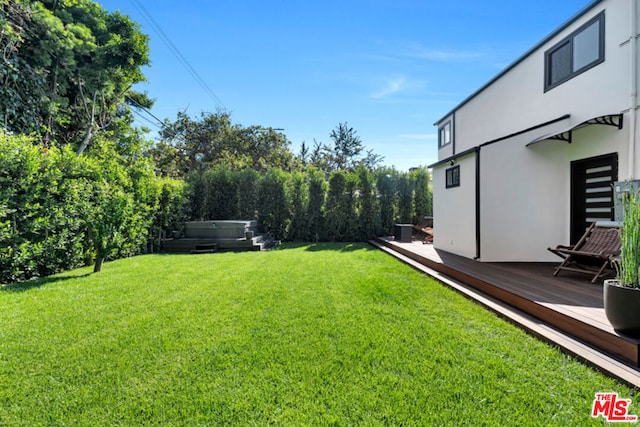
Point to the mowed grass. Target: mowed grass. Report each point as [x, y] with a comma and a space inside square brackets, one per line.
[302, 335]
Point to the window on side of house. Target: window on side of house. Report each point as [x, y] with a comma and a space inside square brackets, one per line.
[580, 51]
[444, 134]
[453, 177]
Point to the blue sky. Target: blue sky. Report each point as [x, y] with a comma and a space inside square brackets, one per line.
[390, 68]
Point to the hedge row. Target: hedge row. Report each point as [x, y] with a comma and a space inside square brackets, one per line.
[59, 211]
[307, 206]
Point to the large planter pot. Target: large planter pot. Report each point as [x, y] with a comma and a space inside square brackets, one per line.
[622, 307]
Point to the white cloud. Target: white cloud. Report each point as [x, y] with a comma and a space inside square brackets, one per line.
[438, 55]
[392, 86]
[399, 84]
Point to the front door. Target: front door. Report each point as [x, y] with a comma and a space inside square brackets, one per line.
[592, 192]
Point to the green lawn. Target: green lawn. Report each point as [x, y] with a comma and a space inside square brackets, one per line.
[302, 335]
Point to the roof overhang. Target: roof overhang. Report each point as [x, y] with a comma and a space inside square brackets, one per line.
[566, 134]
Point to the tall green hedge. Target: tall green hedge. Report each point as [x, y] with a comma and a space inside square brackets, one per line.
[59, 211]
[309, 206]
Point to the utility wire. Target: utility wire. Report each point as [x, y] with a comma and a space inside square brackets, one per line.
[176, 52]
[137, 105]
[146, 119]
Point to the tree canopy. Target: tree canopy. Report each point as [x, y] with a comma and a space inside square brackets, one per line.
[66, 68]
[213, 140]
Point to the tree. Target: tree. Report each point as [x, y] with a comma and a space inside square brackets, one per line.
[405, 198]
[222, 193]
[69, 67]
[346, 146]
[213, 140]
[315, 207]
[422, 198]
[336, 207]
[368, 209]
[273, 215]
[247, 186]
[298, 199]
[386, 186]
[345, 153]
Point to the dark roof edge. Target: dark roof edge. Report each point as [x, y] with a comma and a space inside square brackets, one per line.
[528, 53]
[455, 156]
[502, 138]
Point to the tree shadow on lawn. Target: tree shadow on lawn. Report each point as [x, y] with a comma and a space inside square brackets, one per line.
[38, 283]
[329, 246]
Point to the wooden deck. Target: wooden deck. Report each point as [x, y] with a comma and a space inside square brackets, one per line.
[566, 310]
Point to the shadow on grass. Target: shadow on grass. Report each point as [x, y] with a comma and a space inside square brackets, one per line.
[38, 283]
[328, 246]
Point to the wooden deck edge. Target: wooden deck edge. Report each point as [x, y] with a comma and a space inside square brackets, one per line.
[537, 327]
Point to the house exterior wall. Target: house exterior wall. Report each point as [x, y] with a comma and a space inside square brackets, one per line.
[457, 227]
[525, 190]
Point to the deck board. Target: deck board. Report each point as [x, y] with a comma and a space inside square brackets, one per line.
[569, 302]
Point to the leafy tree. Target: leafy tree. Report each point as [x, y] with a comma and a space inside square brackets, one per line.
[336, 208]
[350, 208]
[67, 68]
[405, 198]
[273, 214]
[111, 217]
[345, 153]
[213, 140]
[222, 193]
[368, 210]
[43, 209]
[298, 197]
[196, 191]
[315, 208]
[386, 186]
[171, 213]
[247, 186]
[346, 146]
[125, 203]
[422, 199]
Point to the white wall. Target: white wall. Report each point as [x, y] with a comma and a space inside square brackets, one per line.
[454, 209]
[517, 100]
[525, 191]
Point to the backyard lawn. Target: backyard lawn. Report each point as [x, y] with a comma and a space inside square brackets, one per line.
[326, 334]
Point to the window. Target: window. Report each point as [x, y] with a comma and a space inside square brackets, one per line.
[453, 177]
[577, 53]
[444, 134]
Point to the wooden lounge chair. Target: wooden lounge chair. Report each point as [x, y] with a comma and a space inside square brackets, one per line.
[596, 250]
[423, 230]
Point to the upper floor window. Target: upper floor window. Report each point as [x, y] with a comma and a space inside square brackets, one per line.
[444, 134]
[581, 50]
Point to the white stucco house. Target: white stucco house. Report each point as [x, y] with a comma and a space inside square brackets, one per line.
[528, 160]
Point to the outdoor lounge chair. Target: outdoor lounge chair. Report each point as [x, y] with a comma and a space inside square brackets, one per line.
[596, 250]
[423, 230]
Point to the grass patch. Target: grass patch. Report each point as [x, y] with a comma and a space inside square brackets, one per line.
[302, 335]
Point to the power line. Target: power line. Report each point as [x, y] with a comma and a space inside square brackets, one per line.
[146, 119]
[145, 109]
[176, 52]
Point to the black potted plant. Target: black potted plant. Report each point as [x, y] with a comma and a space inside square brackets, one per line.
[622, 295]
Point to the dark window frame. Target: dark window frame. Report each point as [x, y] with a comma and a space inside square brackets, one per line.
[452, 177]
[441, 129]
[568, 41]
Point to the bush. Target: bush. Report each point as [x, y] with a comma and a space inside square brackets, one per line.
[59, 211]
[304, 206]
[43, 209]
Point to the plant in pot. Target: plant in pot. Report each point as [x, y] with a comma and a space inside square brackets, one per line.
[622, 295]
